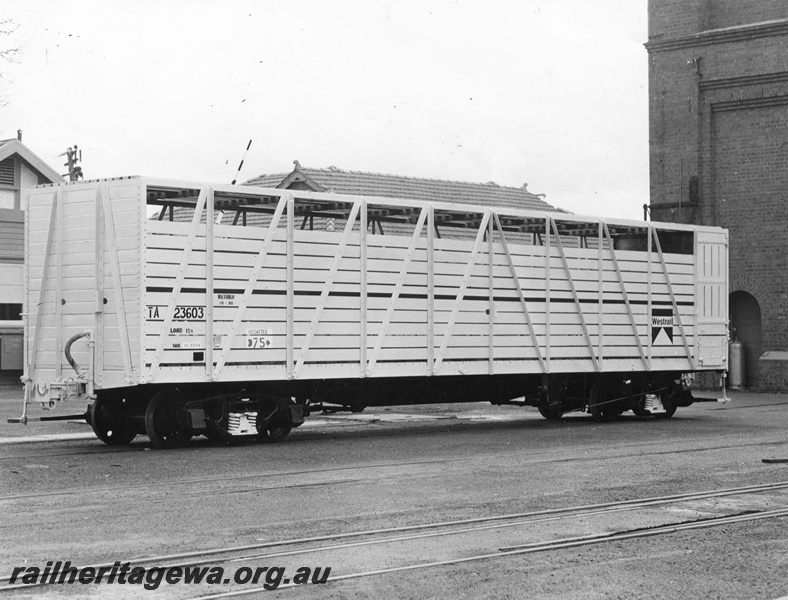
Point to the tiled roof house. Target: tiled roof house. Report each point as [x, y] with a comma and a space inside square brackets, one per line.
[334, 180]
[339, 181]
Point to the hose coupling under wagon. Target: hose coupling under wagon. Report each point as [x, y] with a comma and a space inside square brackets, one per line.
[64, 389]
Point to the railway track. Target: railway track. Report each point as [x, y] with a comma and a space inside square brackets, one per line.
[515, 525]
[530, 548]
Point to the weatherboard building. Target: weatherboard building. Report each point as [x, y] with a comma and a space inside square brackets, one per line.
[19, 169]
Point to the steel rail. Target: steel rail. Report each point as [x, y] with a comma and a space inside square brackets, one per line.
[210, 555]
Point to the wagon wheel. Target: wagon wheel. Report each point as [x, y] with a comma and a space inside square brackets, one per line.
[109, 426]
[166, 423]
[551, 412]
[670, 407]
[276, 426]
[601, 402]
[670, 410]
[667, 396]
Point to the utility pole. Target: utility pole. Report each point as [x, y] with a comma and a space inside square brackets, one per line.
[74, 155]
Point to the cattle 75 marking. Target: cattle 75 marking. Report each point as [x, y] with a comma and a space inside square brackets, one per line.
[258, 342]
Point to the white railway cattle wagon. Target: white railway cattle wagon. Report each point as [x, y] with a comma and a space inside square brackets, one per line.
[177, 309]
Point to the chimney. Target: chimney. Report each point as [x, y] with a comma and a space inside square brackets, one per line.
[19, 134]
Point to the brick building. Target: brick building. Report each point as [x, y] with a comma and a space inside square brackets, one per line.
[718, 114]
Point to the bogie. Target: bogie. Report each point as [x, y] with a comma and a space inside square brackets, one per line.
[607, 396]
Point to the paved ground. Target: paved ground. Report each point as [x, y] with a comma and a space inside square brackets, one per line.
[81, 501]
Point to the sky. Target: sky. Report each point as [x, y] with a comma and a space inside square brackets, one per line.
[552, 93]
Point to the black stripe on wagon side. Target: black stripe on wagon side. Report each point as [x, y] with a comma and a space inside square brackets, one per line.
[410, 296]
[355, 362]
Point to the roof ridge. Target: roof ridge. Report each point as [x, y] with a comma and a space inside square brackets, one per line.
[333, 169]
[282, 175]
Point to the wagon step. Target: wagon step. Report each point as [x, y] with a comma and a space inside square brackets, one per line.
[83, 417]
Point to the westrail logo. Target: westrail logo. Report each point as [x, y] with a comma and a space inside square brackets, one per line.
[661, 321]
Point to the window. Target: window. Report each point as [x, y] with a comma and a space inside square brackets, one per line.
[10, 312]
[7, 171]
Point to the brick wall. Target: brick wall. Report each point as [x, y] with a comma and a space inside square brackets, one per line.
[678, 18]
[750, 180]
[718, 111]
[674, 18]
[728, 13]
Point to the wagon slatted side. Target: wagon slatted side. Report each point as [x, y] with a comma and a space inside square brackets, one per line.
[426, 320]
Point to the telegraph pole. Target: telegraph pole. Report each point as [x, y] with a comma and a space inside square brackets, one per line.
[74, 155]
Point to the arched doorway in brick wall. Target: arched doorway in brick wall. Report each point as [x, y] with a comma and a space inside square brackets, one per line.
[745, 323]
